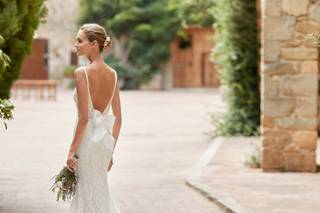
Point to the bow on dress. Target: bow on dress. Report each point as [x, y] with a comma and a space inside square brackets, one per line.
[103, 123]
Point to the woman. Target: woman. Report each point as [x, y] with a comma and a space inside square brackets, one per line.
[96, 91]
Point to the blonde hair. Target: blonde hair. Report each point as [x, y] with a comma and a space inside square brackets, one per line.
[98, 33]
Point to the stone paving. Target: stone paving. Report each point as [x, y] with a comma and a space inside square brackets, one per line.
[244, 189]
[162, 136]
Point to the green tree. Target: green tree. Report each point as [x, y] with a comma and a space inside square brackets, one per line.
[6, 107]
[142, 30]
[4, 59]
[18, 21]
[237, 53]
[194, 12]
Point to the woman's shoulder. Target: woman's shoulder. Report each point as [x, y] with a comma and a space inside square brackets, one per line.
[77, 72]
[111, 70]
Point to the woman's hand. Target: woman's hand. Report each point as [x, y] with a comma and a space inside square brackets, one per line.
[110, 164]
[71, 162]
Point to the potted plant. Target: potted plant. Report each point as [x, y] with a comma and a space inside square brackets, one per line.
[68, 81]
[68, 71]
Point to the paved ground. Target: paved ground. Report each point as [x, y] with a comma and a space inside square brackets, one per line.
[252, 190]
[163, 134]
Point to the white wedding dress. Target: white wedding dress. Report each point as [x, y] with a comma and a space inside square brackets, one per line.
[92, 194]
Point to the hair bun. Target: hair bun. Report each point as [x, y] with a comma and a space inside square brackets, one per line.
[107, 41]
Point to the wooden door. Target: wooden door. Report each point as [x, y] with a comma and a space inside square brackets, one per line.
[209, 76]
[35, 65]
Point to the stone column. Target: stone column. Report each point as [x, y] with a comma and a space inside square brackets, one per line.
[289, 84]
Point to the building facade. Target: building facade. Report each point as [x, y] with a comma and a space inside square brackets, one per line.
[60, 31]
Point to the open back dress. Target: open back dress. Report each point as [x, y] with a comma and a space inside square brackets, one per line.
[92, 194]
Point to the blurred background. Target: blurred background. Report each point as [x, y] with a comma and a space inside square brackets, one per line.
[218, 97]
[157, 45]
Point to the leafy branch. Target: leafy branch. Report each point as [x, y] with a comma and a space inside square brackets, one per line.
[6, 109]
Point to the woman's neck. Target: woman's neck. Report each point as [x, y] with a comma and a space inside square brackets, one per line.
[96, 59]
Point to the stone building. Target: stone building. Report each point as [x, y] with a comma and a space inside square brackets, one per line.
[191, 62]
[289, 86]
[60, 30]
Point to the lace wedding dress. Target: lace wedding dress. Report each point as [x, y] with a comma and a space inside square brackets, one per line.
[92, 194]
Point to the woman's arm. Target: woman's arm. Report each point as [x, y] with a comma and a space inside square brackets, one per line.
[82, 105]
[116, 108]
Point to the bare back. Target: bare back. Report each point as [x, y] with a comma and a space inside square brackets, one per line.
[101, 86]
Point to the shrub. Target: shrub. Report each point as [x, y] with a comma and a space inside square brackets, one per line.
[253, 155]
[6, 110]
[237, 54]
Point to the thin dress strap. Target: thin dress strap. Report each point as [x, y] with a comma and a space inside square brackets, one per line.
[114, 89]
[89, 95]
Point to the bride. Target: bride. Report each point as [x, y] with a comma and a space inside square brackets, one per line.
[93, 141]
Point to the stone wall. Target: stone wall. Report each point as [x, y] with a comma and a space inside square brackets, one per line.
[289, 86]
[60, 30]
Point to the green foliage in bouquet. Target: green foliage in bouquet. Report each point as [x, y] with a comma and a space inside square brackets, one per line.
[65, 183]
[236, 51]
[18, 21]
[6, 110]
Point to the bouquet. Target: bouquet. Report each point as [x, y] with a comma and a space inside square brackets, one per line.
[65, 183]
